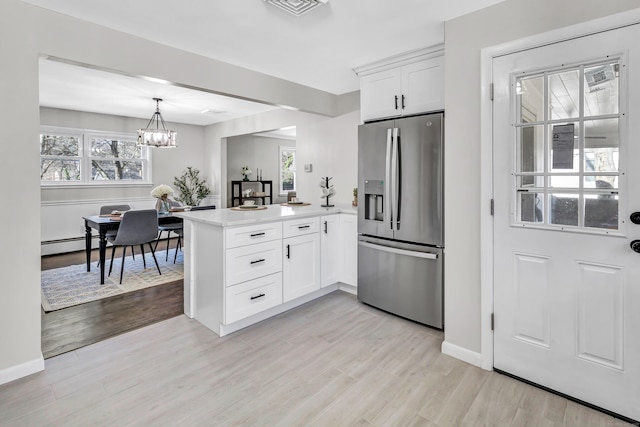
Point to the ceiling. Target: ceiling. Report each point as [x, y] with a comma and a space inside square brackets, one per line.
[318, 49]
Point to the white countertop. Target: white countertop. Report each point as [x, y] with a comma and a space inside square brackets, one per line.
[231, 218]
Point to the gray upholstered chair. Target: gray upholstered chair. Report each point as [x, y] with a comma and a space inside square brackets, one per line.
[107, 209]
[136, 228]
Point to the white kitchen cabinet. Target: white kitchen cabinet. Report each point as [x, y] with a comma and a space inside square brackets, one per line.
[300, 265]
[349, 245]
[252, 297]
[402, 86]
[330, 250]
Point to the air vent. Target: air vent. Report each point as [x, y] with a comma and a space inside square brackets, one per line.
[297, 7]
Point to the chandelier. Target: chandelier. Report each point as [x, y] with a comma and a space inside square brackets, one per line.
[158, 137]
[297, 7]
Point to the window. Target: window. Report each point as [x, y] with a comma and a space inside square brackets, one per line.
[287, 168]
[567, 152]
[80, 157]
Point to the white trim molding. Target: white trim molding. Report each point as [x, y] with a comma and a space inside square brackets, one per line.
[486, 158]
[22, 370]
[462, 353]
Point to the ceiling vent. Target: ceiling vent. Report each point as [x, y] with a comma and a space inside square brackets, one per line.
[297, 7]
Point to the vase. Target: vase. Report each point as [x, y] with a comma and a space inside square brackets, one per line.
[355, 202]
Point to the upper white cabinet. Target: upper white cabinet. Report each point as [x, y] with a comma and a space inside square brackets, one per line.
[402, 85]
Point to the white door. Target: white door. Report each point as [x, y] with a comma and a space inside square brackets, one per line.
[566, 180]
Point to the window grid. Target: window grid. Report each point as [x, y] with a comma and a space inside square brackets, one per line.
[540, 182]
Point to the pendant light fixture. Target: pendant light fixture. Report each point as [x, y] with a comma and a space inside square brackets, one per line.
[157, 137]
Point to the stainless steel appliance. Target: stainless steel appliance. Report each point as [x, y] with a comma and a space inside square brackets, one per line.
[400, 217]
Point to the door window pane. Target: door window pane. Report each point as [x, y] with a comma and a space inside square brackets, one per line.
[564, 147]
[525, 181]
[601, 89]
[601, 211]
[530, 93]
[530, 149]
[563, 209]
[564, 181]
[564, 95]
[601, 145]
[531, 207]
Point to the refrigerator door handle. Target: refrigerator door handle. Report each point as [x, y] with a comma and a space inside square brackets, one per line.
[395, 186]
[387, 182]
[425, 255]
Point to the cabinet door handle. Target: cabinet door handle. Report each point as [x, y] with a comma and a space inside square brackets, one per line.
[257, 296]
[257, 261]
[396, 97]
[403, 102]
[289, 251]
[302, 227]
[325, 227]
[257, 234]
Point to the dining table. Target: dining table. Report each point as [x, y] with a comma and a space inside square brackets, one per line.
[103, 224]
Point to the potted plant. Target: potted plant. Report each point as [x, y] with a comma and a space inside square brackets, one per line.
[355, 197]
[191, 187]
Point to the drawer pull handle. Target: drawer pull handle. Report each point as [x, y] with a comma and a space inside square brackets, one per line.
[325, 227]
[257, 234]
[257, 261]
[302, 227]
[257, 296]
[289, 251]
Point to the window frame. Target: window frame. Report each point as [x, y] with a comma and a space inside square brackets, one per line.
[281, 149]
[547, 123]
[85, 137]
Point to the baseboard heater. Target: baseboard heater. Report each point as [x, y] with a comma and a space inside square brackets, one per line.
[70, 239]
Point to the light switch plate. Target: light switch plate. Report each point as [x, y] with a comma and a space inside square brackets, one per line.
[308, 167]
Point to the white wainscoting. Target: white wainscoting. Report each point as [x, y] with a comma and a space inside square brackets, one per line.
[62, 226]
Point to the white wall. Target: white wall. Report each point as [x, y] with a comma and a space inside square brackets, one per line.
[464, 39]
[329, 144]
[28, 32]
[256, 152]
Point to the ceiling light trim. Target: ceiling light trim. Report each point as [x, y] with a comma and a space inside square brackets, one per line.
[297, 7]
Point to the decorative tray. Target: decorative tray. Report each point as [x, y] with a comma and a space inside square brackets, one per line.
[249, 208]
[294, 204]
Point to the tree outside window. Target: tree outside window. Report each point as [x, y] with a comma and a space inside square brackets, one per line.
[287, 169]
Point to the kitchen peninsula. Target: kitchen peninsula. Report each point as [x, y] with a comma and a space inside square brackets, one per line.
[242, 267]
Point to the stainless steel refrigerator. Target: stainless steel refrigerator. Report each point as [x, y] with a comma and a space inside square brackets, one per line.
[400, 217]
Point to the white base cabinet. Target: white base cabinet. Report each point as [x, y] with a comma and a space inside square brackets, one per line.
[237, 276]
[300, 266]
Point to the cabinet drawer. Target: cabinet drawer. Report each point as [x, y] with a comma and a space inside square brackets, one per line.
[253, 261]
[249, 235]
[298, 227]
[249, 298]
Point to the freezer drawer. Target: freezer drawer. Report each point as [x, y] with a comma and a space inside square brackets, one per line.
[402, 279]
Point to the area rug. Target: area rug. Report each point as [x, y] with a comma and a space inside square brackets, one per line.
[73, 285]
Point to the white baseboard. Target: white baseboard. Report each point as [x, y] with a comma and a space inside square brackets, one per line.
[462, 353]
[22, 370]
[348, 288]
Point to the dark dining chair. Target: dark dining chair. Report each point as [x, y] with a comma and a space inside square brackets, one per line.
[137, 227]
[107, 209]
[180, 231]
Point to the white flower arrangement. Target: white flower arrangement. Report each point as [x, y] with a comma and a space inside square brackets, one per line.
[161, 190]
[245, 171]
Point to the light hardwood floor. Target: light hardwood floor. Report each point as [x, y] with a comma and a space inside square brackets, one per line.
[331, 362]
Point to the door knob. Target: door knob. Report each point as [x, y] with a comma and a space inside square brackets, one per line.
[635, 245]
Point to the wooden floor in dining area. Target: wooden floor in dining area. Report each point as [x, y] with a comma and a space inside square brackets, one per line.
[75, 327]
[330, 362]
